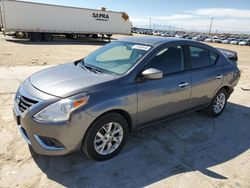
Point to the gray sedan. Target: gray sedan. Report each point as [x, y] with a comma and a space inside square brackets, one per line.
[94, 103]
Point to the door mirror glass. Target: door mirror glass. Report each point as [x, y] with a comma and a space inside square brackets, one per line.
[152, 74]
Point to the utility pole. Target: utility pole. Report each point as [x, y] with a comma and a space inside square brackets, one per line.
[150, 19]
[211, 24]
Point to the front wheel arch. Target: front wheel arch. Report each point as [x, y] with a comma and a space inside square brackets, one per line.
[123, 113]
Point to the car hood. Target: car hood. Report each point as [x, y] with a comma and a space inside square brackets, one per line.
[66, 80]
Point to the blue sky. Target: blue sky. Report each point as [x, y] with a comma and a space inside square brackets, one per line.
[229, 15]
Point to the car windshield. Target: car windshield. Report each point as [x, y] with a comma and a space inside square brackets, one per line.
[116, 57]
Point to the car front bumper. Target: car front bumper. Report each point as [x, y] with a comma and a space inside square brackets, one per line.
[51, 138]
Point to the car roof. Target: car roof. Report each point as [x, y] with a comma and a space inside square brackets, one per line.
[151, 40]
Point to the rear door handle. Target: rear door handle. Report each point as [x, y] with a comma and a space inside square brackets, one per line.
[183, 84]
[219, 76]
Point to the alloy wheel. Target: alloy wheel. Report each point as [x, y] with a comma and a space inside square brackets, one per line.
[108, 138]
[219, 103]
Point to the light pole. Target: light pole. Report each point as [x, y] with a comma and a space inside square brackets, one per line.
[150, 19]
[211, 23]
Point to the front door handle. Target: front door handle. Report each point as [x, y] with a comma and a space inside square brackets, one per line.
[219, 76]
[183, 84]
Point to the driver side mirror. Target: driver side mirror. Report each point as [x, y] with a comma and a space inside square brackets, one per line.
[152, 74]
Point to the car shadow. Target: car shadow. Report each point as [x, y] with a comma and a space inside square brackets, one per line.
[193, 142]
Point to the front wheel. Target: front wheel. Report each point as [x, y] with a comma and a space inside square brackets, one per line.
[106, 137]
[218, 103]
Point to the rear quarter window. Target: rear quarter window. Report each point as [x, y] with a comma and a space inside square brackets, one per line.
[200, 57]
[213, 57]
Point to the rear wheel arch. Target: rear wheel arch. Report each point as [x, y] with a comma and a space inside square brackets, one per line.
[228, 89]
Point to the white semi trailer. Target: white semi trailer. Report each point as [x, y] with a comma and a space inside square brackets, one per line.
[42, 21]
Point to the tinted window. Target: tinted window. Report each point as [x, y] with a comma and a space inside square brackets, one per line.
[199, 57]
[168, 60]
[213, 57]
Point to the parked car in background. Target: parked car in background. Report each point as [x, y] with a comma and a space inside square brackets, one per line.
[208, 40]
[178, 36]
[195, 38]
[217, 40]
[234, 42]
[244, 43]
[93, 103]
[225, 41]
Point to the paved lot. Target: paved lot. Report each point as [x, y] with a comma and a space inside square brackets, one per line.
[192, 151]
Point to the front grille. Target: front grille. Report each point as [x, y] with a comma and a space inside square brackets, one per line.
[24, 103]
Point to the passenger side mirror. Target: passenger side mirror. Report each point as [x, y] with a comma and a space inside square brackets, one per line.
[152, 74]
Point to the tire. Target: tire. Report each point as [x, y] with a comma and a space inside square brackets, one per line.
[71, 36]
[218, 104]
[47, 37]
[32, 152]
[95, 36]
[35, 36]
[67, 36]
[99, 148]
[74, 36]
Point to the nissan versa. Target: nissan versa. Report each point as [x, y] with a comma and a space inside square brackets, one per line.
[93, 103]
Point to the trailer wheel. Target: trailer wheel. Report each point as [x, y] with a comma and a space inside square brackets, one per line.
[26, 35]
[71, 36]
[74, 36]
[47, 36]
[35, 36]
[67, 36]
[20, 35]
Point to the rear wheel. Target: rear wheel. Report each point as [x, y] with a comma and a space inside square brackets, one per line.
[47, 37]
[71, 36]
[218, 103]
[35, 36]
[106, 137]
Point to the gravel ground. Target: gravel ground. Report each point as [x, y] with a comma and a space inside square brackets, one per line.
[192, 151]
[23, 52]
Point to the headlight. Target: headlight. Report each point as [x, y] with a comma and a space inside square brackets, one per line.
[61, 110]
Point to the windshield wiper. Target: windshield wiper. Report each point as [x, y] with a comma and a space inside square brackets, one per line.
[93, 69]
